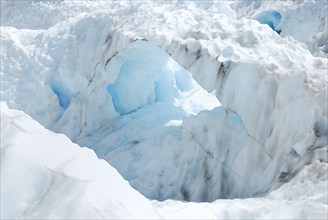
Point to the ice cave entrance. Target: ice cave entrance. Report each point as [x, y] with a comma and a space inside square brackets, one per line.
[144, 74]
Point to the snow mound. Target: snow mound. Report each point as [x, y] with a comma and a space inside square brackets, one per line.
[45, 175]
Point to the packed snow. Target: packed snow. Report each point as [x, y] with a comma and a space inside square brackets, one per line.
[45, 175]
[209, 109]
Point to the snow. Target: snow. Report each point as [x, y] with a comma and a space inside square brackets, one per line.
[45, 175]
[196, 101]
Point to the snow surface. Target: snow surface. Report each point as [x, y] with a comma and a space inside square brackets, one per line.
[45, 175]
[139, 83]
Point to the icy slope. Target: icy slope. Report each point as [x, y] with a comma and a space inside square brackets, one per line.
[45, 175]
[112, 82]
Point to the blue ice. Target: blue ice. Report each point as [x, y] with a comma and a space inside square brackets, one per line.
[133, 88]
[63, 97]
[272, 19]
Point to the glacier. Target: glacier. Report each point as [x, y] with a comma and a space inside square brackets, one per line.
[208, 109]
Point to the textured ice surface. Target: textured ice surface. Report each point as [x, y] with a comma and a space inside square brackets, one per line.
[120, 79]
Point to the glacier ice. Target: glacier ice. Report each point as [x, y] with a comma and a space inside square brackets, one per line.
[142, 91]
